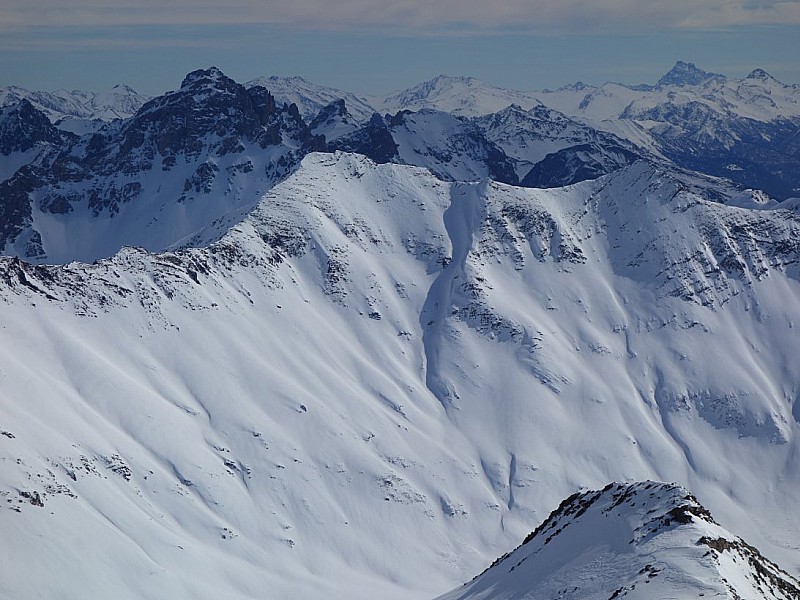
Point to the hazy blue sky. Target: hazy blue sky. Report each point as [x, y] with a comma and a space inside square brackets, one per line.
[374, 46]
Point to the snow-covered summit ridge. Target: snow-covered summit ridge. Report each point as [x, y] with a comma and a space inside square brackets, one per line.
[462, 96]
[637, 541]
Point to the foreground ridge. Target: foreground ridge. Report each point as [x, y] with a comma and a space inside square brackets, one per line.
[639, 540]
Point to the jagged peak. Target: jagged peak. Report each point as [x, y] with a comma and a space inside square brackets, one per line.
[760, 75]
[25, 110]
[625, 529]
[123, 87]
[291, 78]
[685, 73]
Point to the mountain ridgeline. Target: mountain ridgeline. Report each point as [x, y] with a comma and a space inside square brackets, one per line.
[214, 138]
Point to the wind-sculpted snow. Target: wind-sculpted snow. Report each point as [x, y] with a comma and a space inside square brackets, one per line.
[643, 540]
[376, 382]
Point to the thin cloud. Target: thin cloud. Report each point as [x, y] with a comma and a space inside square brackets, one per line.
[406, 16]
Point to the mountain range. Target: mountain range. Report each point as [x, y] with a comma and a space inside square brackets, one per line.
[264, 341]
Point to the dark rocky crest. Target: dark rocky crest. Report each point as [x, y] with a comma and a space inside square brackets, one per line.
[373, 140]
[22, 127]
[684, 73]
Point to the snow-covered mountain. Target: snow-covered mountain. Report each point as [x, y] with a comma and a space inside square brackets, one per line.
[542, 136]
[462, 96]
[183, 162]
[758, 97]
[742, 129]
[311, 98]
[378, 381]
[645, 540]
[335, 121]
[451, 147]
[78, 111]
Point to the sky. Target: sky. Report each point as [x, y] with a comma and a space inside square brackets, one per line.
[376, 46]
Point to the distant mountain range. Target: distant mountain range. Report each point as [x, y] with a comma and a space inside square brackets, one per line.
[717, 134]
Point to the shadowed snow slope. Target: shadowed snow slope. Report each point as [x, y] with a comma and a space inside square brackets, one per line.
[379, 381]
[645, 540]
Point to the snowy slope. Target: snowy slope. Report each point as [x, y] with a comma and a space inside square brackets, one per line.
[759, 96]
[644, 540]
[378, 382]
[334, 121]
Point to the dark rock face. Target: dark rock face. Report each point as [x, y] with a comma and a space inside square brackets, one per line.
[577, 163]
[684, 73]
[210, 113]
[22, 127]
[336, 110]
[373, 140]
[440, 141]
[15, 207]
[756, 154]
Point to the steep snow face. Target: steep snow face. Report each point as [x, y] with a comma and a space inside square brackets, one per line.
[311, 98]
[462, 96]
[379, 381]
[643, 540]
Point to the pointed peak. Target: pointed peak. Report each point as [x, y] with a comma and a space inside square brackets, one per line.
[512, 108]
[336, 109]
[760, 75]
[685, 73]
